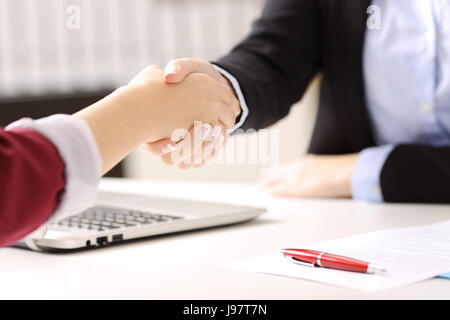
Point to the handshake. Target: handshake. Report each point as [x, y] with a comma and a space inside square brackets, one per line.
[182, 114]
[199, 115]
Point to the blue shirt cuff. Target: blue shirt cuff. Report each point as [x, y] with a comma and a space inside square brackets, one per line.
[366, 177]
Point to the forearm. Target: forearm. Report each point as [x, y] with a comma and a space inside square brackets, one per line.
[277, 61]
[235, 87]
[116, 126]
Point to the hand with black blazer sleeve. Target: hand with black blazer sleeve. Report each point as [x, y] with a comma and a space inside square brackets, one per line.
[272, 67]
[277, 61]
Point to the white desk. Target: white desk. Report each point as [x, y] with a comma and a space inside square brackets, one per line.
[187, 265]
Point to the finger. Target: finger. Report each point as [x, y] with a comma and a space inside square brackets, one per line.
[196, 157]
[269, 182]
[172, 158]
[178, 69]
[281, 186]
[167, 158]
[211, 145]
[282, 190]
[217, 145]
[175, 156]
[272, 180]
[144, 74]
[290, 169]
[155, 66]
[184, 165]
[276, 175]
[226, 116]
[227, 95]
[273, 174]
[150, 69]
[160, 147]
[185, 148]
[201, 155]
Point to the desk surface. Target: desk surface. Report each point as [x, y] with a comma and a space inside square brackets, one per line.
[144, 270]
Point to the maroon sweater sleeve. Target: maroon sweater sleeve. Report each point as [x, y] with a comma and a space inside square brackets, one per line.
[31, 182]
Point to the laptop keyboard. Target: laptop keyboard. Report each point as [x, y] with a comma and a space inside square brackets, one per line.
[107, 218]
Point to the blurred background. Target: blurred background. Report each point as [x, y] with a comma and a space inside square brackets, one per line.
[53, 62]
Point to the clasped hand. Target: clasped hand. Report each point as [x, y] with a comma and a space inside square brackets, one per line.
[199, 144]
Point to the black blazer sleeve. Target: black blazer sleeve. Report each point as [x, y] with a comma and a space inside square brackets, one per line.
[276, 62]
[417, 173]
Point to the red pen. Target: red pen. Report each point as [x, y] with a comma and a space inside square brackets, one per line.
[325, 260]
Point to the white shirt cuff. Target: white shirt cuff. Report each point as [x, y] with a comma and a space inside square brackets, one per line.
[237, 88]
[78, 149]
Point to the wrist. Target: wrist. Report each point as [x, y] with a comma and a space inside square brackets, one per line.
[228, 83]
[137, 106]
[112, 123]
[346, 167]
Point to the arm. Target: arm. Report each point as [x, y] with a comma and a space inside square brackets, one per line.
[148, 110]
[416, 173]
[50, 168]
[268, 72]
[276, 62]
[403, 173]
[31, 182]
[408, 173]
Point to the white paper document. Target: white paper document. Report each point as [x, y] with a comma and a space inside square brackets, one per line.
[409, 254]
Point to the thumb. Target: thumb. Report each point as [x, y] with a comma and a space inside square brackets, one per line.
[154, 66]
[178, 69]
[160, 147]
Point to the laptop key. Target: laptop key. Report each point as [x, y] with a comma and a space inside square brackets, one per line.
[104, 218]
[118, 225]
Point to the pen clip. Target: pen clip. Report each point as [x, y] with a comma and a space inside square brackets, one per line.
[293, 260]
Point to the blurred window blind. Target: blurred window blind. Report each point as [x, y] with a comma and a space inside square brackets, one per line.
[40, 55]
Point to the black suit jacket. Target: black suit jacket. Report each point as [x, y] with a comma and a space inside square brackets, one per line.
[290, 43]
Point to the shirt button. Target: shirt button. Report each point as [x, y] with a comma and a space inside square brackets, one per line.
[427, 108]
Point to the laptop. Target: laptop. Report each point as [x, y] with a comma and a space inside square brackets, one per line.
[119, 217]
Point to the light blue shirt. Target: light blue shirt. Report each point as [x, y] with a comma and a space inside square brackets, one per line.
[406, 64]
